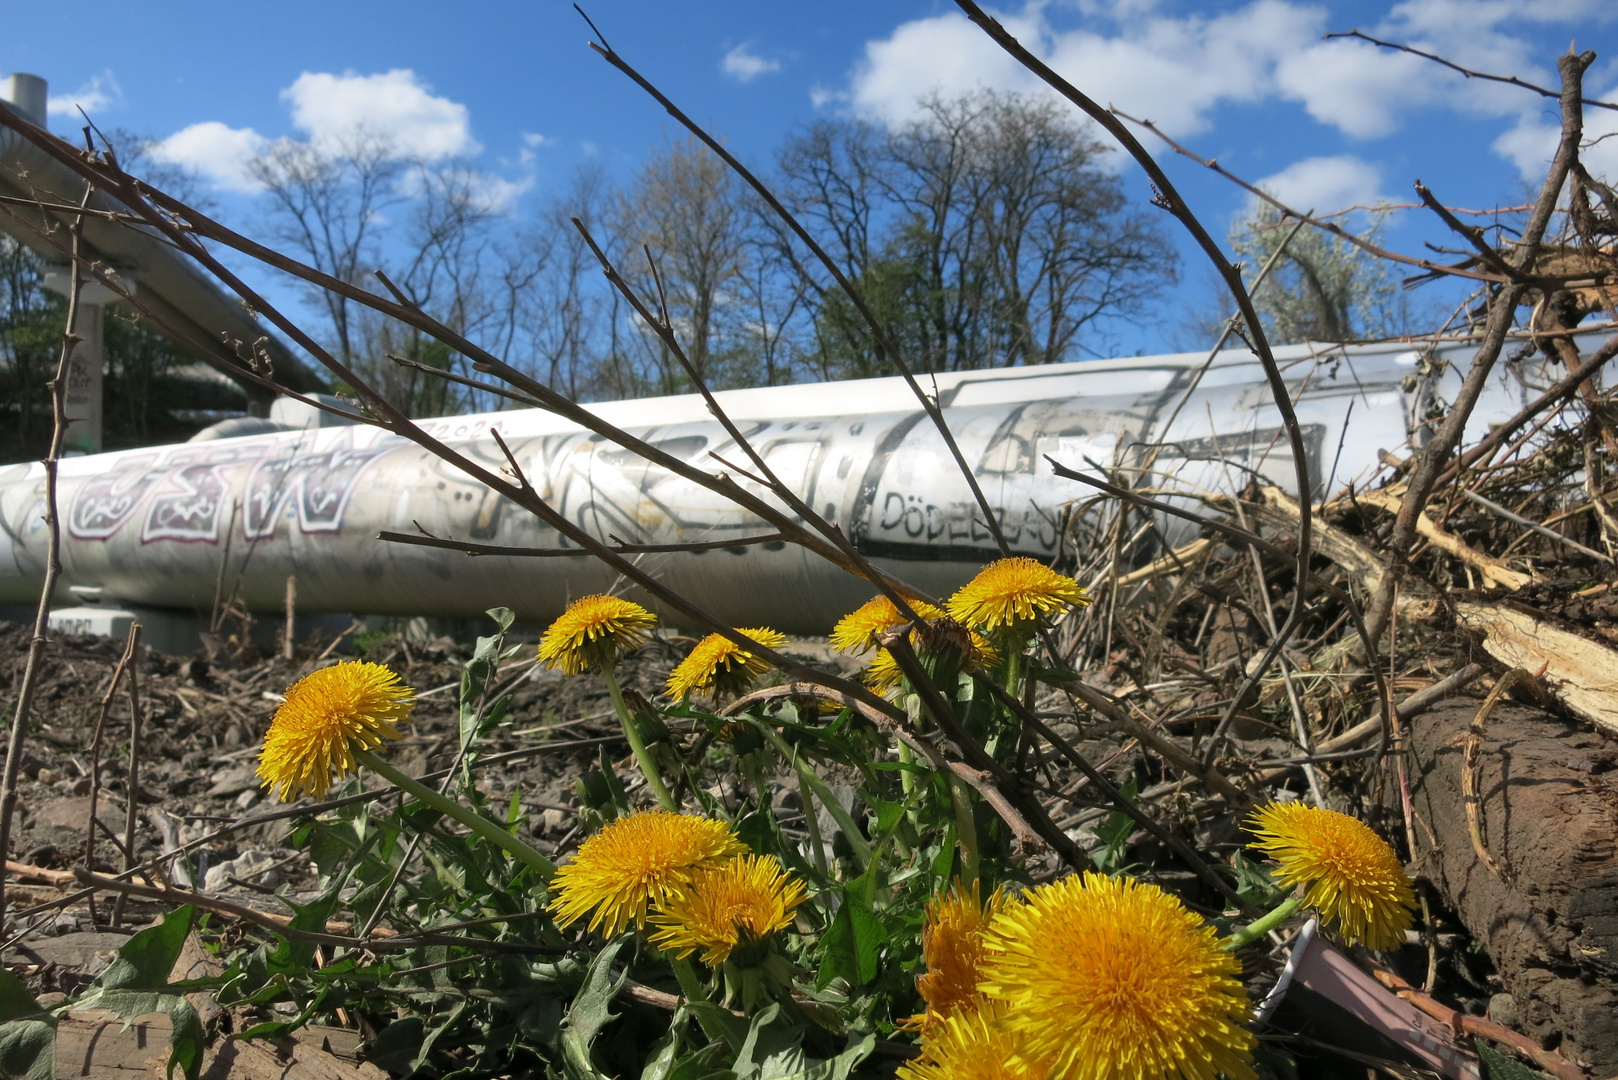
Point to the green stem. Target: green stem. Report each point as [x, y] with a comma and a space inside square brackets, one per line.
[811, 822]
[839, 813]
[473, 820]
[1264, 924]
[691, 988]
[966, 830]
[643, 756]
[1013, 667]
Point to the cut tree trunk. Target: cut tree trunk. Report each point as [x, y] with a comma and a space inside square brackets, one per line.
[1548, 792]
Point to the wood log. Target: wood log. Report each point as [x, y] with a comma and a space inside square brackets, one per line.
[1548, 800]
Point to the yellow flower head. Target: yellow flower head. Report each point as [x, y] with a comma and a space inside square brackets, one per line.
[326, 716]
[952, 946]
[856, 631]
[1013, 592]
[883, 674]
[1108, 978]
[594, 630]
[636, 862]
[720, 663]
[1354, 879]
[736, 902]
[973, 1044]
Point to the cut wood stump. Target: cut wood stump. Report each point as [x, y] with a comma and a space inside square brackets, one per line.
[1548, 801]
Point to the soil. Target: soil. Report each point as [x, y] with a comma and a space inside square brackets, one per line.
[202, 723]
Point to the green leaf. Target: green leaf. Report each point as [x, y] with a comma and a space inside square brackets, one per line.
[1497, 1066]
[475, 679]
[147, 958]
[137, 982]
[589, 1013]
[27, 1033]
[615, 787]
[395, 1045]
[853, 941]
[28, 1050]
[1114, 834]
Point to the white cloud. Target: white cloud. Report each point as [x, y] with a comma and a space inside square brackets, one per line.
[744, 65]
[100, 92]
[219, 153]
[1327, 184]
[944, 53]
[394, 106]
[534, 140]
[1531, 144]
[496, 194]
[1177, 69]
[1172, 71]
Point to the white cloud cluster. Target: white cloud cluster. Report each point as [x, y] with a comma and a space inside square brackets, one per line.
[395, 108]
[1178, 69]
[98, 93]
[1326, 184]
[216, 151]
[744, 65]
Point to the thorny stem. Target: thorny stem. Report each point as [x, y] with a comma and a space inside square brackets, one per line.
[501, 838]
[643, 756]
[1264, 924]
[53, 561]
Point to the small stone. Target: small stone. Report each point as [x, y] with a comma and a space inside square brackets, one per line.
[1503, 1010]
[47, 776]
[231, 782]
[75, 813]
[251, 866]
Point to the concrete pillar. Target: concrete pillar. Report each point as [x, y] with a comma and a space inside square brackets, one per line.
[27, 94]
[88, 369]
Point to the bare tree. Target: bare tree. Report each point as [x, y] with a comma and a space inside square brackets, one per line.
[1324, 288]
[684, 206]
[984, 233]
[326, 204]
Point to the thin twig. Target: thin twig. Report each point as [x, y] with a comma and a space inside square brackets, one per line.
[33, 669]
[124, 661]
[1510, 80]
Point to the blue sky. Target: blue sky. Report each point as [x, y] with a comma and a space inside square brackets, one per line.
[512, 87]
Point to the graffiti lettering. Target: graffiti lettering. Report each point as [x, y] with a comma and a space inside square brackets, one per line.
[317, 483]
[102, 504]
[188, 508]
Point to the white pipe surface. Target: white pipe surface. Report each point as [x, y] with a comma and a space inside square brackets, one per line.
[149, 526]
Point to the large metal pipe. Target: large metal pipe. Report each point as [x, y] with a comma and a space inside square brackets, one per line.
[150, 526]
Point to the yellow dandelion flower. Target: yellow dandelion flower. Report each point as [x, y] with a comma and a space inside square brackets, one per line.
[1014, 591]
[593, 631]
[323, 718]
[973, 1044]
[883, 674]
[1354, 879]
[856, 631]
[637, 862]
[720, 663]
[1108, 978]
[736, 902]
[952, 947]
